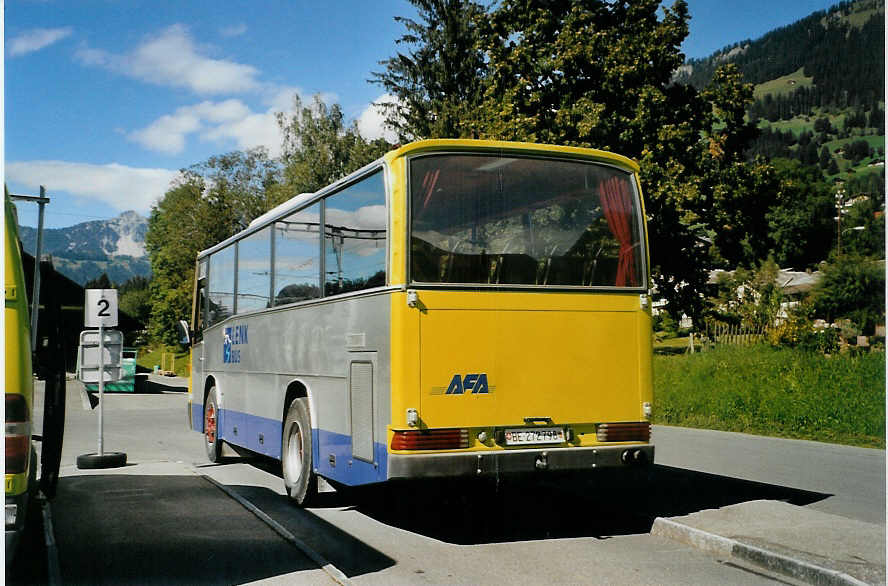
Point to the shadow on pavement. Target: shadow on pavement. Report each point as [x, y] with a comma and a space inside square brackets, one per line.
[589, 504]
[144, 385]
[351, 555]
[128, 529]
[29, 564]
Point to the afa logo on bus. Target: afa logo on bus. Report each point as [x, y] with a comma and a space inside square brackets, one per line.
[475, 384]
[234, 336]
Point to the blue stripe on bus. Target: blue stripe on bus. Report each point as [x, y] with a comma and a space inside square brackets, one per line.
[347, 469]
[245, 430]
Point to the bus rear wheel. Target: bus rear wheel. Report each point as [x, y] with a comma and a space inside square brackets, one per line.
[211, 427]
[296, 459]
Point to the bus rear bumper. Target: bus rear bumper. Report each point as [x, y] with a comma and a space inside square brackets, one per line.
[16, 507]
[518, 461]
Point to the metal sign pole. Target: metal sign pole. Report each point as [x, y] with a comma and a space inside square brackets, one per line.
[100, 311]
[37, 253]
[101, 451]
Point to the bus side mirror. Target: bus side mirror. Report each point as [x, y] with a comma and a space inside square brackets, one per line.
[184, 332]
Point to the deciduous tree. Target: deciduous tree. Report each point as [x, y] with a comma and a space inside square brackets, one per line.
[319, 148]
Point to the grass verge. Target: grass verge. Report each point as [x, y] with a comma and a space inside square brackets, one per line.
[777, 392]
[151, 356]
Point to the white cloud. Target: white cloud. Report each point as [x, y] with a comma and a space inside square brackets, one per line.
[371, 122]
[167, 134]
[255, 129]
[234, 30]
[121, 187]
[173, 59]
[230, 120]
[36, 39]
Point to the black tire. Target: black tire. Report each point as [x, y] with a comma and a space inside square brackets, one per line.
[106, 460]
[296, 461]
[211, 427]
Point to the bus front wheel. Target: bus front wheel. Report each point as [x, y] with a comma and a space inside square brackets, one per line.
[299, 480]
[211, 427]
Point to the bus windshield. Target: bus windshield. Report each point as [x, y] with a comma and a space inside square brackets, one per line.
[495, 220]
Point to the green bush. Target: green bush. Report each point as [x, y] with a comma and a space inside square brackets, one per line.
[786, 392]
[798, 331]
[852, 287]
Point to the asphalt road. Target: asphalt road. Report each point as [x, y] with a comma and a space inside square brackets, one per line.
[577, 528]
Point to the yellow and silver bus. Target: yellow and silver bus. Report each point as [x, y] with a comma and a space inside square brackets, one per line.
[456, 308]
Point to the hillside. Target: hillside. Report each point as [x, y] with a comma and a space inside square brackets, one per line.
[818, 91]
[841, 50]
[84, 251]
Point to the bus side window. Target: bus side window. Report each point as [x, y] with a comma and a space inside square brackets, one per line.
[201, 311]
[221, 289]
[297, 258]
[254, 271]
[355, 237]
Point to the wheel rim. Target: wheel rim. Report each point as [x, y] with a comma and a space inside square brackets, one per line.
[294, 452]
[210, 423]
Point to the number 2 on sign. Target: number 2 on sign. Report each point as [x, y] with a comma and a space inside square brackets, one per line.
[100, 308]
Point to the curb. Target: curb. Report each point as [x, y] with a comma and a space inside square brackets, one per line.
[712, 543]
[335, 573]
[53, 570]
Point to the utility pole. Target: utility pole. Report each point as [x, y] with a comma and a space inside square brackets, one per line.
[840, 206]
[41, 202]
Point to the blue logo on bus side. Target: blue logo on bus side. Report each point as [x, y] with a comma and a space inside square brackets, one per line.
[475, 384]
[234, 336]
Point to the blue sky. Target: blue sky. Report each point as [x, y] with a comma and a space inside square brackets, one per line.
[105, 100]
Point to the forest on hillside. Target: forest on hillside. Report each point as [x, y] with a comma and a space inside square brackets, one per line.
[819, 91]
[841, 49]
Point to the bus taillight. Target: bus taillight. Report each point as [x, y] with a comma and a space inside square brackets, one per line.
[623, 432]
[17, 431]
[431, 439]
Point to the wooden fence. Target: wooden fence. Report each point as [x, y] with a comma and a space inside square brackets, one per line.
[737, 334]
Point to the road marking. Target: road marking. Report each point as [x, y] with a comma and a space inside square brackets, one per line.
[335, 573]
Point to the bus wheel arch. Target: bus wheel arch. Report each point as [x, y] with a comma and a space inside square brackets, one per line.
[295, 390]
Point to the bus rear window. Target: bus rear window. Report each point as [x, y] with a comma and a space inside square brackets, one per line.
[522, 221]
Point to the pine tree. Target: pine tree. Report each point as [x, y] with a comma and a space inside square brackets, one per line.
[101, 282]
[825, 157]
[833, 168]
[437, 83]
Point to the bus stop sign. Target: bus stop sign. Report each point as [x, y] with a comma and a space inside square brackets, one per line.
[100, 309]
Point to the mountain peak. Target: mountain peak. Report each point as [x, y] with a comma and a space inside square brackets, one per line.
[86, 250]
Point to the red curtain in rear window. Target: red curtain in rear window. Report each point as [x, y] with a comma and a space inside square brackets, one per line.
[616, 203]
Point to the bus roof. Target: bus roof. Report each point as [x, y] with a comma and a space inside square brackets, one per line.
[431, 145]
[282, 209]
[505, 147]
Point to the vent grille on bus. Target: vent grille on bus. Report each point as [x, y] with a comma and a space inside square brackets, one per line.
[431, 439]
[361, 397]
[623, 432]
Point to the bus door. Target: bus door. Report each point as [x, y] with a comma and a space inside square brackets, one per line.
[198, 348]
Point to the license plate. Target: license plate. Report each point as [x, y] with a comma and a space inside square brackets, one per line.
[526, 437]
